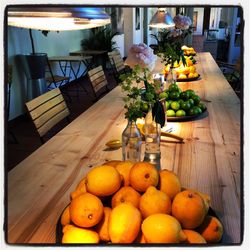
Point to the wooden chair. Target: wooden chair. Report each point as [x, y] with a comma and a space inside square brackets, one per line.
[232, 74]
[47, 110]
[98, 80]
[117, 64]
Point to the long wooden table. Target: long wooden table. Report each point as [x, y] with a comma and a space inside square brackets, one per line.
[38, 189]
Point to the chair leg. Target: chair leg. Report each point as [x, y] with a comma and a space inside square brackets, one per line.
[15, 141]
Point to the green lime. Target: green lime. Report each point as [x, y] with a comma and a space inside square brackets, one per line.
[175, 105]
[174, 95]
[202, 106]
[190, 92]
[163, 95]
[180, 101]
[184, 96]
[180, 112]
[173, 87]
[144, 107]
[170, 113]
[196, 99]
[191, 101]
[185, 105]
[195, 111]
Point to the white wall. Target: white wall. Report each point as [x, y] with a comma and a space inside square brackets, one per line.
[200, 17]
[19, 43]
[138, 34]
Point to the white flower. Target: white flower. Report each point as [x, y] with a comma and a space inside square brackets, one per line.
[142, 55]
[182, 22]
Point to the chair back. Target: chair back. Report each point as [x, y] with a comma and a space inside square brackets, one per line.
[97, 78]
[116, 60]
[47, 110]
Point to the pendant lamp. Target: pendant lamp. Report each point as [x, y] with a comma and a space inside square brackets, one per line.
[162, 20]
[57, 18]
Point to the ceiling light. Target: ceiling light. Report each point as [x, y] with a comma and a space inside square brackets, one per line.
[57, 18]
[162, 20]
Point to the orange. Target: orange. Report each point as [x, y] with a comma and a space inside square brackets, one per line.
[189, 209]
[102, 226]
[103, 180]
[86, 210]
[80, 189]
[211, 229]
[193, 237]
[162, 228]
[140, 238]
[143, 175]
[65, 217]
[169, 183]
[126, 195]
[206, 198]
[124, 169]
[124, 223]
[112, 163]
[74, 235]
[154, 201]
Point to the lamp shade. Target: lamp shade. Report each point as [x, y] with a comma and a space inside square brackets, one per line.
[162, 19]
[59, 18]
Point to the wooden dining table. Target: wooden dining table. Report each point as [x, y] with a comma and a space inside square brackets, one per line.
[209, 160]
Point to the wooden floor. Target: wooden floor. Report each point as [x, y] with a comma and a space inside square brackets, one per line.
[78, 95]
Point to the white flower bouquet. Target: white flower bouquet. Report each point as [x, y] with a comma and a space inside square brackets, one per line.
[142, 55]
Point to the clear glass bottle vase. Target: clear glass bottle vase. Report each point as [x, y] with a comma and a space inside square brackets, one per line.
[131, 142]
[171, 77]
[152, 141]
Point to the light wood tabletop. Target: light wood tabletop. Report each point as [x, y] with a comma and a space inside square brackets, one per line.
[209, 160]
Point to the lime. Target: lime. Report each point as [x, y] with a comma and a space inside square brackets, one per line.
[175, 105]
[184, 96]
[173, 87]
[202, 106]
[163, 95]
[190, 92]
[196, 99]
[180, 101]
[185, 105]
[195, 111]
[170, 113]
[144, 107]
[180, 112]
[191, 101]
[174, 95]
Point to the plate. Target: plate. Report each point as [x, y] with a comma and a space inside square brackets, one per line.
[188, 117]
[59, 228]
[189, 79]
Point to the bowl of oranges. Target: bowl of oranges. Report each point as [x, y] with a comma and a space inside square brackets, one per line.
[184, 73]
[121, 202]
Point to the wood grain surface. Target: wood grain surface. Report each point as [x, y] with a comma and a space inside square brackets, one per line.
[38, 188]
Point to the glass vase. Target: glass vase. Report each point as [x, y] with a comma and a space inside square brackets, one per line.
[171, 77]
[131, 142]
[152, 140]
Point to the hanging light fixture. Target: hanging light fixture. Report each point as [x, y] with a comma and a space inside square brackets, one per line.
[57, 19]
[162, 20]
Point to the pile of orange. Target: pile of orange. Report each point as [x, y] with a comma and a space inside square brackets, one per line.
[124, 203]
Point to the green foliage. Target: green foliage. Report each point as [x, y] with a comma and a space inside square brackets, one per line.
[169, 45]
[100, 39]
[140, 89]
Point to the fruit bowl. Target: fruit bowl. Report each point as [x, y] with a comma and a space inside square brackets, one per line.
[188, 79]
[59, 227]
[188, 117]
